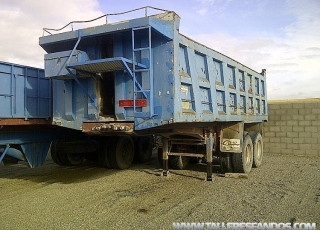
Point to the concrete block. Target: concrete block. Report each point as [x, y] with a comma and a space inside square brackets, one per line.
[277, 146]
[286, 128]
[298, 117]
[312, 105]
[292, 146]
[312, 152]
[267, 151]
[274, 140]
[311, 129]
[286, 106]
[281, 112]
[315, 123]
[315, 111]
[266, 128]
[275, 129]
[305, 134]
[270, 134]
[274, 118]
[299, 152]
[292, 134]
[281, 123]
[286, 151]
[304, 111]
[298, 129]
[315, 146]
[273, 106]
[298, 105]
[287, 140]
[312, 140]
[266, 140]
[304, 146]
[281, 134]
[286, 117]
[310, 117]
[298, 140]
[271, 111]
[294, 111]
[304, 123]
[272, 145]
[270, 124]
[292, 123]
[316, 135]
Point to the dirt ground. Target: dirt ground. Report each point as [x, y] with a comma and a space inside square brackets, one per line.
[89, 197]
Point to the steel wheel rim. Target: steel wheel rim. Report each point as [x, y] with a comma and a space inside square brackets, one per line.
[259, 150]
[248, 155]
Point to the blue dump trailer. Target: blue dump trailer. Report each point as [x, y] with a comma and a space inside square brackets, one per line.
[26, 129]
[25, 115]
[124, 83]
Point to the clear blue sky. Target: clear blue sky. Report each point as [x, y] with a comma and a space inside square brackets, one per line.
[282, 36]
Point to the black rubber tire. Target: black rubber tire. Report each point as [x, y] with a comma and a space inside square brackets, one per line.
[121, 153]
[242, 162]
[104, 154]
[257, 142]
[144, 149]
[54, 153]
[67, 158]
[73, 159]
[179, 162]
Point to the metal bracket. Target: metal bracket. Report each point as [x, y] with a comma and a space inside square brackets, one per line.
[72, 74]
[131, 74]
[4, 152]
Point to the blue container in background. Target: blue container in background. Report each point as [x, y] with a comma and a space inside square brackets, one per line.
[24, 92]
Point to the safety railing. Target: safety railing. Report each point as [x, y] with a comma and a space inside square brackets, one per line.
[145, 8]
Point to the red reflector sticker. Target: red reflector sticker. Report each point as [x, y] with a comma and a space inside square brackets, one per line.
[129, 103]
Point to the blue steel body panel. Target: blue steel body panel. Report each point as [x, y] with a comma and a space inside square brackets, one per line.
[24, 92]
[186, 81]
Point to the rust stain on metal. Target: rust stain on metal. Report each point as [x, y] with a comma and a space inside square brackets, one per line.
[20, 121]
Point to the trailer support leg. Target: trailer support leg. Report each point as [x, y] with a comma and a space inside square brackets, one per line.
[165, 148]
[209, 147]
